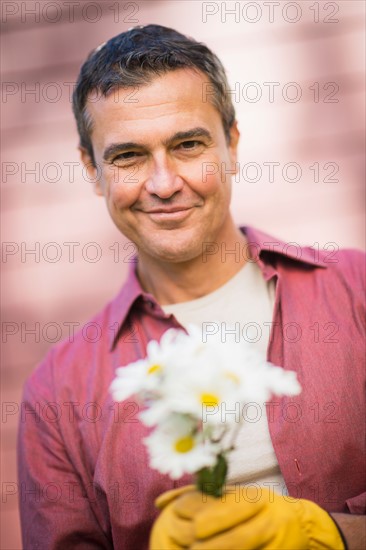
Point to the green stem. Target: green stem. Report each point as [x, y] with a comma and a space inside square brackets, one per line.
[212, 480]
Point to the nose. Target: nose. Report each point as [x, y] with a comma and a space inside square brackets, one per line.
[164, 180]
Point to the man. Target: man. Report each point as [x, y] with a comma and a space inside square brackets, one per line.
[149, 132]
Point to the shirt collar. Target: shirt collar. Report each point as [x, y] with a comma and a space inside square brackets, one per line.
[130, 293]
[258, 242]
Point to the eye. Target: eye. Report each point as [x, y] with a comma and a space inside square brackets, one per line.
[125, 156]
[191, 144]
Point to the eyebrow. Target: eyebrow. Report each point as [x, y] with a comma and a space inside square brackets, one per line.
[178, 136]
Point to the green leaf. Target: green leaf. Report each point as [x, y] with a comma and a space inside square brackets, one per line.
[212, 480]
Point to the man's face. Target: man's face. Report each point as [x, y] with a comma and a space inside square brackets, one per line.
[164, 165]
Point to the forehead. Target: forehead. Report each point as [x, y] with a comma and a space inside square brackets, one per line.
[177, 98]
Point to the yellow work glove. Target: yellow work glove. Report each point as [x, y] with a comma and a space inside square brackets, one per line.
[249, 519]
[168, 525]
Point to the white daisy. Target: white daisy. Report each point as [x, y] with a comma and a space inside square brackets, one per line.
[144, 376]
[175, 448]
[188, 387]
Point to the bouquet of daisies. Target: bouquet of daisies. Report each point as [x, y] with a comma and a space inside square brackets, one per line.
[185, 387]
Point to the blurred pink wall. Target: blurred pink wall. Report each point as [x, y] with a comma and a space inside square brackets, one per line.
[297, 77]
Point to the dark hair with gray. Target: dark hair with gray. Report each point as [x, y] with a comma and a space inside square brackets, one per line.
[133, 58]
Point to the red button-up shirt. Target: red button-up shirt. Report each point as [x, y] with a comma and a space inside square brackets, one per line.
[83, 469]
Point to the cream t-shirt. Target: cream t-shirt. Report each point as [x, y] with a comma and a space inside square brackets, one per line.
[241, 309]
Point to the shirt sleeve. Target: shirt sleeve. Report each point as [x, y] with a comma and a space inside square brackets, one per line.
[55, 507]
[354, 262]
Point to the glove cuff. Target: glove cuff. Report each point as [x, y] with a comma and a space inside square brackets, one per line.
[323, 532]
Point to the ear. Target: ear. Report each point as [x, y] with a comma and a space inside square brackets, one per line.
[233, 145]
[92, 170]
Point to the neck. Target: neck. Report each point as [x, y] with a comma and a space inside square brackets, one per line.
[172, 283]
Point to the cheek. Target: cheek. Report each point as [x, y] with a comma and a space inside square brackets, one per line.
[204, 177]
[121, 194]
[213, 182]
[211, 175]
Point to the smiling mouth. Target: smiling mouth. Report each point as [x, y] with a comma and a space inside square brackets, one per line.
[169, 210]
[175, 214]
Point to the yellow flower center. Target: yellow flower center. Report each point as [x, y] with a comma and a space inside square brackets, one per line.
[209, 399]
[184, 444]
[153, 369]
[232, 377]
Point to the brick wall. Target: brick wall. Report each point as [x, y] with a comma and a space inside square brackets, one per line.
[308, 55]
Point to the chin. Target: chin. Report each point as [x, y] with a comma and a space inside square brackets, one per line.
[176, 255]
[170, 245]
[172, 251]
